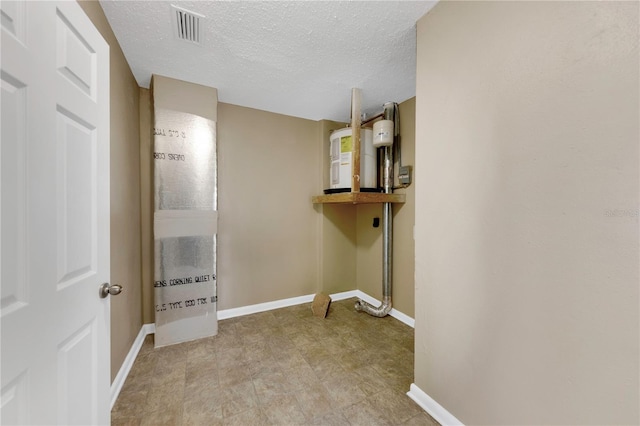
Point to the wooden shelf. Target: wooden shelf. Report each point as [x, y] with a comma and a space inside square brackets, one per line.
[358, 198]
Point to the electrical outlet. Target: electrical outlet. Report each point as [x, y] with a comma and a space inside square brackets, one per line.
[404, 175]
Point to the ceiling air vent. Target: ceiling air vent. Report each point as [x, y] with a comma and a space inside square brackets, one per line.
[186, 24]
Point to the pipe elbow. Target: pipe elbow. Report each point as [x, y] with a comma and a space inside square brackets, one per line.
[380, 311]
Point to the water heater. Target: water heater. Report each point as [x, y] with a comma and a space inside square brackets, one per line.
[341, 153]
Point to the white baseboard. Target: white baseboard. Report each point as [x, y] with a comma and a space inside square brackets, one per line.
[125, 368]
[345, 295]
[262, 307]
[283, 303]
[277, 304]
[428, 404]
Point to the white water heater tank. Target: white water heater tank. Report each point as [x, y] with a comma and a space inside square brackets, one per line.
[341, 148]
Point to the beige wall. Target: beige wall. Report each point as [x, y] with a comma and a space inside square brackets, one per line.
[268, 230]
[146, 205]
[339, 248]
[125, 195]
[369, 239]
[526, 276]
[182, 96]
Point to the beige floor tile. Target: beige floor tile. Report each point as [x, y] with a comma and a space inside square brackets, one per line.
[171, 352]
[270, 386]
[278, 367]
[344, 390]
[314, 354]
[398, 383]
[169, 371]
[332, 419]
[203, 393]
[201, 413]
[281, 343]
[301, 377]
[397, 407]
[163, 417]
[394, 367]
[327, 368]
[290, 359]
[142, 370]
[226, 328]
[349, 360]
[117, 421]
[230, 357]
[369, 380]
[422, 419]
[234, 374]
[256, 350]
[253, 336]
[301, 338]
[196, 367]
[260, 366]
[334, 344]
[201, 349]
[284, 410]
[251, 417]
[228, 341]
[129, 403]
[238, 398]
[165, 396]
[363, 413]
[314, 401]
[289, 325]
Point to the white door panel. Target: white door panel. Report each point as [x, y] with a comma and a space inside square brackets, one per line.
[54, 168]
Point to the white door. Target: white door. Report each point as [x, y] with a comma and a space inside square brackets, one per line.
[54, 212]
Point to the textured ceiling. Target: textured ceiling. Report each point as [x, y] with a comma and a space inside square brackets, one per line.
[298, 58]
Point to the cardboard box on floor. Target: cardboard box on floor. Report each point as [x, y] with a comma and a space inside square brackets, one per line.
[320, 305]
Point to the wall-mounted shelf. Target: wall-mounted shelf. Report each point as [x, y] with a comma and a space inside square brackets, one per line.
[358, 198]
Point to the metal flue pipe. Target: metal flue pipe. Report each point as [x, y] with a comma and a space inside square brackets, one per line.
[390, 109]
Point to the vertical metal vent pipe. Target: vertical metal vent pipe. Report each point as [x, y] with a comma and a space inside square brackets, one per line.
[390, 109]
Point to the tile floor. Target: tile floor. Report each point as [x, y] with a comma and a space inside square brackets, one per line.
[282, 367]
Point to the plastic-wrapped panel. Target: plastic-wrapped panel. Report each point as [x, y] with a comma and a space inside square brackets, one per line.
[185, 222]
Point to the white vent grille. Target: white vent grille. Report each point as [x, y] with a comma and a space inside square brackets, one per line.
[187, 25]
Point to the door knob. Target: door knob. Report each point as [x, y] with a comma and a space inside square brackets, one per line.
[107, 289]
